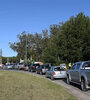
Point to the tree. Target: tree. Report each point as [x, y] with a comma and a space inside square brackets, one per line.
[74, 39]
[11, 60]
[67, 42]
[28, 45]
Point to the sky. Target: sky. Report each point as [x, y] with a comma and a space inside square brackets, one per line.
[33, 16]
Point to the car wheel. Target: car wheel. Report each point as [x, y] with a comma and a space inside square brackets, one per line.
[68, 80]
[83, 85]
[31, 70]
[46, 76]
[52, 78]
[40, 72]
[18, 67]
[36, 72]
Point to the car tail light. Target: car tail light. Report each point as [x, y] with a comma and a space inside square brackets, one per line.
[54, 73]
[43, 70]
[33, 66]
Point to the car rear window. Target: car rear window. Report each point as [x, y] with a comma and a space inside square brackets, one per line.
[63, 69]
[59, 69]
[45, 66]
[41, 66]
[87, 64]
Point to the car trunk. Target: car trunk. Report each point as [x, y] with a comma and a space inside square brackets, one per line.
[59, 71]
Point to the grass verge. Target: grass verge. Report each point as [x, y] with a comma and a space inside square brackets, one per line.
[22, 86]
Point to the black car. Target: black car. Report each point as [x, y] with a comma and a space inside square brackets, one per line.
[33, 67]
[42, 69]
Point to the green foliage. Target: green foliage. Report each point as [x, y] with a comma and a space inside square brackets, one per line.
[4, 60]
[10, 60]
[67, 42]
[28, 61]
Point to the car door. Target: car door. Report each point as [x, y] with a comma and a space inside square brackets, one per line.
[39, 69]
[77, 72]
[72, 72]
[47, 72]
[51, 71]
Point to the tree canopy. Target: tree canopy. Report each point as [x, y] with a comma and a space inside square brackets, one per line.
[67, 42]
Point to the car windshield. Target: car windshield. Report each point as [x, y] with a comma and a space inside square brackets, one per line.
[45, 66]
[35, 64]
[59, 69]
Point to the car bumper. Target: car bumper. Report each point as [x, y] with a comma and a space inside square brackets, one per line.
[59, 76]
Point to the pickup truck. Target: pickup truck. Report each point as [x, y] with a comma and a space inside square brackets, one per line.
[79, 73]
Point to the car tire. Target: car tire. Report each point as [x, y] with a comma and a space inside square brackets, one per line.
[68, 80]
[40, 72]
[18, 67]
[31, 70]
[83, 85]
[46, 76]
[36, 72]
[52, 78]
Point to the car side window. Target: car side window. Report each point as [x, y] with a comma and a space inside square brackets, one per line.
[78, 66]
[86, 65]
[73, 67]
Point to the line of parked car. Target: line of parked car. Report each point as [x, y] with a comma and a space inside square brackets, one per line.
[52, 72]
[79, 73]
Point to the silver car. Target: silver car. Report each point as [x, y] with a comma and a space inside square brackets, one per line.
[79, 74]
[8, 66]
[55, 72]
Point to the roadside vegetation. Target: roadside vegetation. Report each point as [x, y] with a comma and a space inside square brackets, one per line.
[22, 86]
[66, 42]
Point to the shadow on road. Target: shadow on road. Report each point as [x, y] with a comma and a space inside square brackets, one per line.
[73, 84]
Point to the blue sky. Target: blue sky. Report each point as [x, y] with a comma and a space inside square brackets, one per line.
[33, 16]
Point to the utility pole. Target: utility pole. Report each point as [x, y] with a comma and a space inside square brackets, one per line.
[8, 60]
[0, 56]
[26, 50]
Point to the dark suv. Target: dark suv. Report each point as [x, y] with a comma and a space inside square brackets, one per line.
[42, 69]
[32, 67]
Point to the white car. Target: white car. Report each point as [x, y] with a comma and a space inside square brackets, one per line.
[8, 66]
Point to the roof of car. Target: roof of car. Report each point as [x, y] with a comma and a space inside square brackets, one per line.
[55, 66]
[83, 61]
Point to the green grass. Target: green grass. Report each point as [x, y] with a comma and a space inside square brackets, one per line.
[23, 86]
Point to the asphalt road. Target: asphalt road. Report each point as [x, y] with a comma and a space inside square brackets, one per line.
[73, 88]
